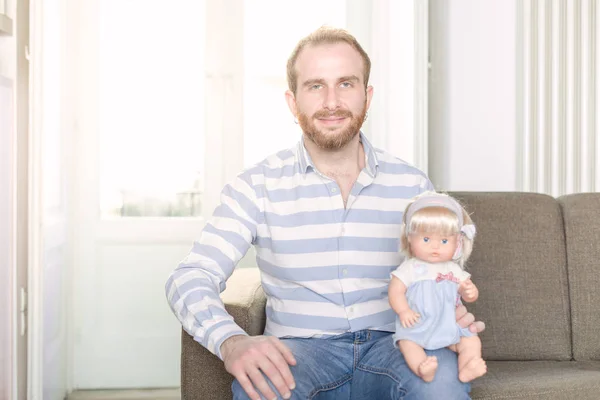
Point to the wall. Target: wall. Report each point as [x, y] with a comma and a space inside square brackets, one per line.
[472, 119]
[7, 75]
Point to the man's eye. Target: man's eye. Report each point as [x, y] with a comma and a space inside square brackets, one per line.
[316, 87]
[346, 84]
[444, 241]
[426, 239]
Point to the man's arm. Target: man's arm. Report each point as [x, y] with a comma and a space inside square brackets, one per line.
[193, 288]
[193, 293]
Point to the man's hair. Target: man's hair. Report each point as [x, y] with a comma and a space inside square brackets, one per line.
[325, 35]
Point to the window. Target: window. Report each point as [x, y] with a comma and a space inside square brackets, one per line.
[166, 151]
[151, 107]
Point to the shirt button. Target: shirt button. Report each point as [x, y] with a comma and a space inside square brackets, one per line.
[345, 271]
[333, 190]
[342, 231]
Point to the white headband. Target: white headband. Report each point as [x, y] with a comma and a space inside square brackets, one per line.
[446, 202]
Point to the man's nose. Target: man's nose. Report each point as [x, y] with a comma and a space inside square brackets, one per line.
[331, 101]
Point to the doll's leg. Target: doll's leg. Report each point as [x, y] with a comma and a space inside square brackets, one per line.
[418, 361]
[470, 363]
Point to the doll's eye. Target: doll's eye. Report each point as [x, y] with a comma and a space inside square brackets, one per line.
[444, 241]
[426, 239]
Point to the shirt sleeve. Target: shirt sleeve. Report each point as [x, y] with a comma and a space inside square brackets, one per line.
[193, 288]
[404, 272]
[427, 185]
[458, 272]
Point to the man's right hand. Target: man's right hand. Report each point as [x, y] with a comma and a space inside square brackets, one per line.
[246, 356]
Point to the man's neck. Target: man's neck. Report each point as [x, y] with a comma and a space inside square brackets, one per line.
[345, 163]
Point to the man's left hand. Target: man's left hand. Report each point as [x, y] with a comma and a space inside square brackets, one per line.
[466, 319]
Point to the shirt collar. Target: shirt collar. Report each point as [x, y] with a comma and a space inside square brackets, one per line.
[371, 162]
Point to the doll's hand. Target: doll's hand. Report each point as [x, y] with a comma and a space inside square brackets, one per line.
[468, 291]
[408, 318]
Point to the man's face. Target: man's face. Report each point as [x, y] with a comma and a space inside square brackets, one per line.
[331, 100]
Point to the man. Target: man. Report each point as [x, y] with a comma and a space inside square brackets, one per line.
[325, 220]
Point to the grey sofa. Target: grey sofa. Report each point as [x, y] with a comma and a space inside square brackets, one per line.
[536, 263]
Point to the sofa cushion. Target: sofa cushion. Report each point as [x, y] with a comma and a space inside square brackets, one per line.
[519, 265]
[582, 228]
[529, 380]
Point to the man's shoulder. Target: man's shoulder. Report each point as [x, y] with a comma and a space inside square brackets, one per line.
[391, 164]
[280, 163]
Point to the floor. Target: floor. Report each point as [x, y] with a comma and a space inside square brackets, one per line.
[138, 394]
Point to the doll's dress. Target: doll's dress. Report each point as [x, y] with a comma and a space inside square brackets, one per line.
[432, 292]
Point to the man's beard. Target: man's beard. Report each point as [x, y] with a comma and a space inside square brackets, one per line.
[328, 141]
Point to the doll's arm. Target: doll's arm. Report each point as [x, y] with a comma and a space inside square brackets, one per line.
[397, 298]
[468, 291]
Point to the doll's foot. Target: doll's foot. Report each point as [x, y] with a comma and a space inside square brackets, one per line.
[474, 369]
[427, 368]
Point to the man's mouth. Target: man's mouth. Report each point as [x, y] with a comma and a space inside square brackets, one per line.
[332, 120]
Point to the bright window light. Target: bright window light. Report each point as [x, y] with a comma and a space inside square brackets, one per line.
[151, 107]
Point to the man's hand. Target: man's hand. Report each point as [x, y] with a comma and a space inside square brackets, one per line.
[466, 319]
[246, 356]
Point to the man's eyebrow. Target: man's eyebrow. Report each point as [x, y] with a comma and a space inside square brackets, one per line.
[315, 81]
[321, 81]
[352, 78]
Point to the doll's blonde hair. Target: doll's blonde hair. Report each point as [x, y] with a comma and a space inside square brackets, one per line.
[437, 217]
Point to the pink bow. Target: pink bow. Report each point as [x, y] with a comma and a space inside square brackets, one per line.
[446, 277]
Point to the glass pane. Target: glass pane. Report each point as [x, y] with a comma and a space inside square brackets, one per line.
[151, 107]
[265, 67]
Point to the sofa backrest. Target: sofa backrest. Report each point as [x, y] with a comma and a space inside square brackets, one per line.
[519, 264]
[582, 227]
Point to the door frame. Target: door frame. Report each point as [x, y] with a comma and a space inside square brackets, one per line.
[21, 206]
[35, 318]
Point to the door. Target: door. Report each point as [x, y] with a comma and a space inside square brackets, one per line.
[138, 184]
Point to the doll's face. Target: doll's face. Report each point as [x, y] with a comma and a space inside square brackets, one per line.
[432, 248]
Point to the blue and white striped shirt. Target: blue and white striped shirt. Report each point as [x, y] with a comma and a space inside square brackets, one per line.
[324, 268]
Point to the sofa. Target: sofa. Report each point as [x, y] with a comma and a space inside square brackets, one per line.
[536, 263]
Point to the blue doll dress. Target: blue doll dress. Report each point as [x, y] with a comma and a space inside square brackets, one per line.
[432, 291]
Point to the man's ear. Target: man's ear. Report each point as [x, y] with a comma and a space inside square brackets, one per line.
[291, 102]
[369, 94]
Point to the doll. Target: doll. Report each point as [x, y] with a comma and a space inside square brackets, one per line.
[437, 239]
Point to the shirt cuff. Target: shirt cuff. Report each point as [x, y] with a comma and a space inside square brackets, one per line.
[232, 329]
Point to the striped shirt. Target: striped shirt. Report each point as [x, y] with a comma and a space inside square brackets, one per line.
[325, 268]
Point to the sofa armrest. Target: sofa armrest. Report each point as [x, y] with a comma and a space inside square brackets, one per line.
[203, 375]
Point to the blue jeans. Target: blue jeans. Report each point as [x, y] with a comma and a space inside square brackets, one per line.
[364, 365]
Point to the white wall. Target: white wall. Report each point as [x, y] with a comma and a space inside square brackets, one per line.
[472, 119]
[7, 75]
